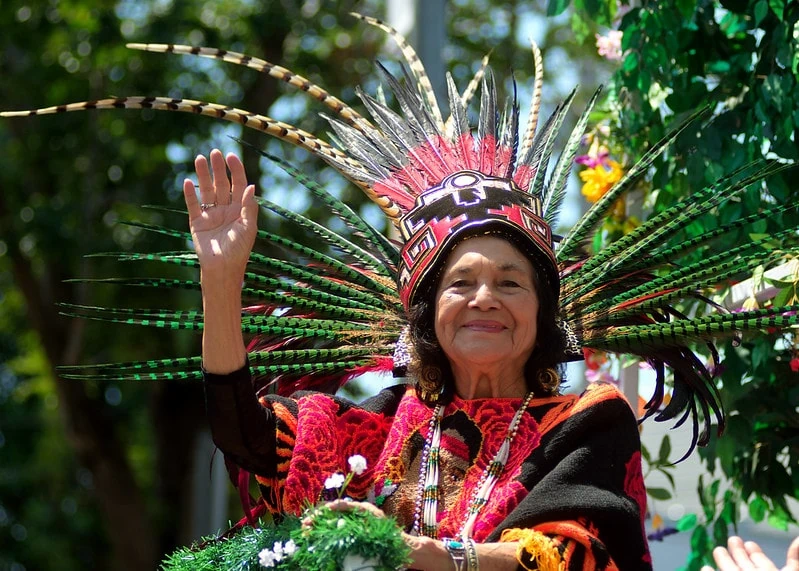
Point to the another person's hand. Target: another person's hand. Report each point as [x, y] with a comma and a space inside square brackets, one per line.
[223, 219]
[747, 556]
[346, 505]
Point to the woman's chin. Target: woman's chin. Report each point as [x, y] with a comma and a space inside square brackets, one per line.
[481, 355]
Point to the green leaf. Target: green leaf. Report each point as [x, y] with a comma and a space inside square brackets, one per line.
[757, 509]
[686, 8]
[631, 37]
[778, 521]
[774, 91]
[782, 284]
[596, 11]
[719, 66]
[665, 449]
[707, 497]
[784, 296]
[699, 539]
[580, 28]
[612, 8]
[664, 470]
[694, 563]
[730, 509]
[778, 7]
[596, 243]
[761, 11]
[686, 522]
[659, 493]
[556, 7]
[714, 489]
[645, 454]
[630, 63]
[760, 354]
[720, 532]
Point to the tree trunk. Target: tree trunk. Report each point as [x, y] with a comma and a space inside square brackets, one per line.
[88, 430]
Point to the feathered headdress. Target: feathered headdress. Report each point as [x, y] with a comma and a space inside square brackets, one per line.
[316, 320]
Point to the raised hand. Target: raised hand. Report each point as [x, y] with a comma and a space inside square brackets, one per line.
[747, 556]
[223, 220]
[223, 227]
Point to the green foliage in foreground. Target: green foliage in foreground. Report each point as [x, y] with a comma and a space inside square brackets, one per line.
[324, 546]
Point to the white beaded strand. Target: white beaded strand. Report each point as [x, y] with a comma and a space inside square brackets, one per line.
[426, 505]
[492, 473]
[428, 487]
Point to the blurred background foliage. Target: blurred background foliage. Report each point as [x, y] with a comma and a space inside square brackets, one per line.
[98, 475]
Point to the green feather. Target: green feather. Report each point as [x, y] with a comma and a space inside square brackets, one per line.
[556, 188]
[610, 262]
[342, 269]
[638, 338]
[330, 237]
[541, 150]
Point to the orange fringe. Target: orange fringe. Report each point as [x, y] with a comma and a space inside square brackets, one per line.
[541, 549]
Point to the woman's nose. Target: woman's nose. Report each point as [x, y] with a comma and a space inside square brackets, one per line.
[484, 297]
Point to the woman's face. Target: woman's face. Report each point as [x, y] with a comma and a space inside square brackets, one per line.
[486, 305]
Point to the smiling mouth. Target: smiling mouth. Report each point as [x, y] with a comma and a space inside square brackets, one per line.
[486, 326]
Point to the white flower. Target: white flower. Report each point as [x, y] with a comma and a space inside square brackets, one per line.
[266, 558]
[290, 548]
[341, 523]
[334, 482]
[357, 464]
[354, 562]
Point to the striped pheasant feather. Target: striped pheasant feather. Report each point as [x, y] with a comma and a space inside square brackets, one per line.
[341, 109]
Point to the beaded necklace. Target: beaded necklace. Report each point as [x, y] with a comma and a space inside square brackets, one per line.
[426, 507]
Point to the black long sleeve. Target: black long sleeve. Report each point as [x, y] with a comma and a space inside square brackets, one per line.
[240, 427]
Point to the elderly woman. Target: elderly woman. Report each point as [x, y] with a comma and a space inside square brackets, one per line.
[479, 458]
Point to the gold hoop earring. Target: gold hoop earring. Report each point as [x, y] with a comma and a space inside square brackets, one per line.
[430, 383]
[549, 381]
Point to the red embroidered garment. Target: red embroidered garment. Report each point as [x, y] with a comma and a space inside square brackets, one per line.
[574, 471]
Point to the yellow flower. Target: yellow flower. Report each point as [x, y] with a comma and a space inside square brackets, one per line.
[598, 180]
[657, 521]
[630, 224]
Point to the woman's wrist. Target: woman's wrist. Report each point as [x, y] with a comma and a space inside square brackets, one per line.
[222, 279]
[428, 554]
[463, 553]
[432, 555]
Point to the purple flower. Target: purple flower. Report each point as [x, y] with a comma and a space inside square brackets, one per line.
[594, 158]
[599, 376]
[662, 533]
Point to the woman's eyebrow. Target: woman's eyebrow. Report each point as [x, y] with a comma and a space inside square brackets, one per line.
[460, 270]
[511, 267]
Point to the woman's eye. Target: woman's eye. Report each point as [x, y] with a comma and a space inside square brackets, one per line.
[509, 283]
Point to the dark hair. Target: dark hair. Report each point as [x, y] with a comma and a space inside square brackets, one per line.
[549, 351]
